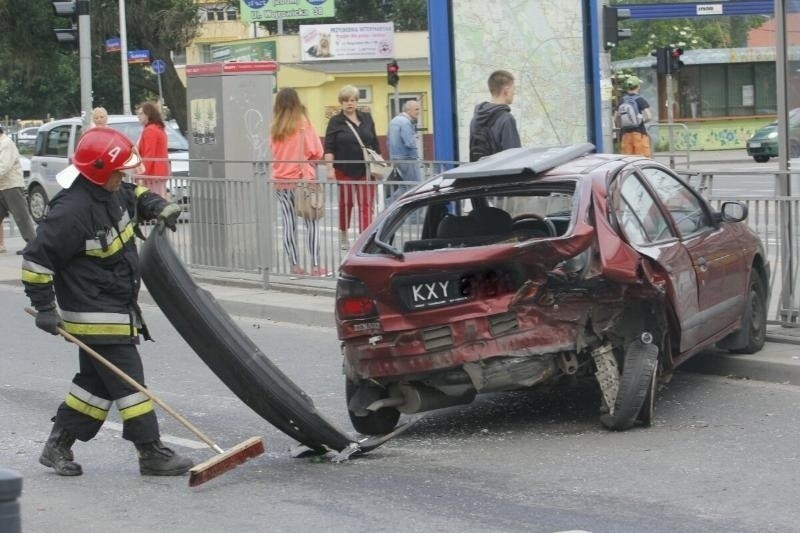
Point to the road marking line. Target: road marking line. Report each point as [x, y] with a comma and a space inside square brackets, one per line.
[177, 441]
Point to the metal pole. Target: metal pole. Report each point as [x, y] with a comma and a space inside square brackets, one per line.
[85, 51]
[160, 97]
[670, 120]
[396, 101]
[788, 307]
[123, 53]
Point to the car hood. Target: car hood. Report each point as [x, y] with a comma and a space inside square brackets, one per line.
[763, 133]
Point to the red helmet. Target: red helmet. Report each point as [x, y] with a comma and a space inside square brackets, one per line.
[100, 152]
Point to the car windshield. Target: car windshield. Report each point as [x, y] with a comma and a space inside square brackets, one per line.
[478, 218]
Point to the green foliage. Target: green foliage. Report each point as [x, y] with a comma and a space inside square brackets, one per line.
[407, 15]
[687, 33]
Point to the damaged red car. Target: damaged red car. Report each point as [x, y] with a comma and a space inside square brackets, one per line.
[540, 264]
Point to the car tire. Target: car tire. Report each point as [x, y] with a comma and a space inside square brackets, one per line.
[750, 339]
[761, 158]
[37, 202]
[647, 412]
[378, 422]
[638, 372]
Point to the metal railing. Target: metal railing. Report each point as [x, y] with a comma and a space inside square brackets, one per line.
[232, 221]
[774, 219]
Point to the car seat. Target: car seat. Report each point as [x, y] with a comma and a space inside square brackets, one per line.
[491, 221]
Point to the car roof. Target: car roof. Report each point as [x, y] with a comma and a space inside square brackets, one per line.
[112, 119]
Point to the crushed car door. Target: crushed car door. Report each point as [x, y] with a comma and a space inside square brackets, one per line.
[716, 258]
[647, 229]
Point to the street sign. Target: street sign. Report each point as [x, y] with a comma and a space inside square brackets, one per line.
[158, 66]
[138, 56]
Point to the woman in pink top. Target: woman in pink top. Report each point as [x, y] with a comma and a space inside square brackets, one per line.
[153, 149]
[294, 143]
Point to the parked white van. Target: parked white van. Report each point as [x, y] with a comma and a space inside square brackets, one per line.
[55, 145]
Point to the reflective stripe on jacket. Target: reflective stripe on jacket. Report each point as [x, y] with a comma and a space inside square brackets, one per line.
[85, 255]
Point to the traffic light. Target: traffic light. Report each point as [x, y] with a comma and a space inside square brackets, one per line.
[392, 76]
[71, 10]
[662, 59]
[612, 33]
[675, 62]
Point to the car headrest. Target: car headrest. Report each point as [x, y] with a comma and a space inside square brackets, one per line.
[491, 220]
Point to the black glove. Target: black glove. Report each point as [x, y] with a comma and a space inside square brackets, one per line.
[49, 320]
[169, 216]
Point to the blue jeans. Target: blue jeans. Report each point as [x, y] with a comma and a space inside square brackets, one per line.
[407, 171]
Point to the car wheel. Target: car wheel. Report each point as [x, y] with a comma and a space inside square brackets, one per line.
[37, 203]
[638, 371]
[754, 320]
[378, 422]
[761, 158]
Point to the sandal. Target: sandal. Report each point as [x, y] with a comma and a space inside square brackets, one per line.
[319, 272]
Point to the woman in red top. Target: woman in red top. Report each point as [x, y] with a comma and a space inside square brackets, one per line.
[153, 150]
[294, 143]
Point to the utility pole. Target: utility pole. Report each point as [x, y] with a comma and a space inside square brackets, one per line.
[123, 54]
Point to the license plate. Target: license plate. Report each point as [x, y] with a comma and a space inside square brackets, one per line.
[755, 145]
[436, 291]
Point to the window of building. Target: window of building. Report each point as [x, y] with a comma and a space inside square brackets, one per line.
[733, 90]
[215, 13]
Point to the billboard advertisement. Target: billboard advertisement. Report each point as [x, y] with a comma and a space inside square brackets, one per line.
[347, 41]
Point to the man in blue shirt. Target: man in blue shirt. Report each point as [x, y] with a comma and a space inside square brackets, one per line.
[403, 146]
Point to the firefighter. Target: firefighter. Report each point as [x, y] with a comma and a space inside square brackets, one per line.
[84, 258]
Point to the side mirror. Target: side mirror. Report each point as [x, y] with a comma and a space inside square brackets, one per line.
[733, 211]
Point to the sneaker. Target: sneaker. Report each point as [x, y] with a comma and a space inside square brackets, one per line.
[2, 249]
[297, 270]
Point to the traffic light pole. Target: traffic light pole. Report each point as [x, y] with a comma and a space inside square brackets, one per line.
[670, 120]
[85, 52]
[123, 53]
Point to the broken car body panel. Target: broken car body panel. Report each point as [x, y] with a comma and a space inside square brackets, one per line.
[233, 357]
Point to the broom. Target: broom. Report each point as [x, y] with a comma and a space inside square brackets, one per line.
[206, 471]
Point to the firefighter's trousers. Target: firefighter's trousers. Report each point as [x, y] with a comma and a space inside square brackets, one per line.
[94, 388]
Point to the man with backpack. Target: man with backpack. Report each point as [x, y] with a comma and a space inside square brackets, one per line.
[632, 114]
[493, 128]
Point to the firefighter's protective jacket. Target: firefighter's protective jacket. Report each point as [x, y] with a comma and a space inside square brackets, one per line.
[84, 255]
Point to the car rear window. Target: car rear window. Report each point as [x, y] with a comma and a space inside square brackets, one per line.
[479, 218]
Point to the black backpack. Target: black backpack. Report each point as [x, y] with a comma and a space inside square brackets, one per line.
[482, 143]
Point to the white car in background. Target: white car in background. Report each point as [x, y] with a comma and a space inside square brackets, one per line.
[56, 143]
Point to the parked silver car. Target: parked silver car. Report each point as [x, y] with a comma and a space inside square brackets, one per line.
[56, 143]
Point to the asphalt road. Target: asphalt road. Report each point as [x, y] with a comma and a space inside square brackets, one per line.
[722, 455]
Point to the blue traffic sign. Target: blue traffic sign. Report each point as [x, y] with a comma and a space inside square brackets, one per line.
[158, 66]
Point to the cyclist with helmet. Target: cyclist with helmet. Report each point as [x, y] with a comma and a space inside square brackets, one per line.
[84, 259]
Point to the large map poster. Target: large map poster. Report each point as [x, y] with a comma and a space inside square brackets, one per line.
[541, 43]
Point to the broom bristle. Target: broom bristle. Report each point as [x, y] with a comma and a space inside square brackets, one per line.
[224, 462]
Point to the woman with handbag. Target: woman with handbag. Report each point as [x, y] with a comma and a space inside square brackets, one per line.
[294, 143]
[348, 131]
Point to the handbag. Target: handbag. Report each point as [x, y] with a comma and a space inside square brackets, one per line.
[377, 166]
[309, 197]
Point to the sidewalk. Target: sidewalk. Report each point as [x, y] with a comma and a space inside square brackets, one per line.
[311, 302]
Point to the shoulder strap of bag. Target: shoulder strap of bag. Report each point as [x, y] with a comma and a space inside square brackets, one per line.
[302, 149]
[358, 137]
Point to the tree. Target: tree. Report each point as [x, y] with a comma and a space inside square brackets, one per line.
[407, 15]
[693, 33]
[160, 26]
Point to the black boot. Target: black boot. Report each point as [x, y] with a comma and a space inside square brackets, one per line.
[155, 459]
[58, 455]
